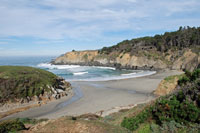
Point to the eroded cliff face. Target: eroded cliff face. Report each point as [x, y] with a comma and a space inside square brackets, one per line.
[76, 57]
[144, 59]
[172, 50]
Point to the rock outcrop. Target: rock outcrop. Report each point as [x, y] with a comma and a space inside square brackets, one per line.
[188, 60]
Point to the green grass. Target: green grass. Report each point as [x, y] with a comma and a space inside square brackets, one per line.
[117, 118]
[30, 121]
[11, 126]
[20, 82]
[15, 125]
[171, 79]
[146, 128]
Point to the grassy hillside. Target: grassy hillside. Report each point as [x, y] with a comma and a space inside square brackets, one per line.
[178, 112]
[20, 82]
[177, 40]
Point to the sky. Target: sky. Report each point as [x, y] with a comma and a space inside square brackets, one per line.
[54, 27]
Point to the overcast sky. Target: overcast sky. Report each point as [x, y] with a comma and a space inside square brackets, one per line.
[53, 27]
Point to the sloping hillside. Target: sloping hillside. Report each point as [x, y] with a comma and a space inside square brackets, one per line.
[177, 112]
[174, 50]
[22, 84]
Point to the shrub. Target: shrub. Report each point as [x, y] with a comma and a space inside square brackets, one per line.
[173, 109]
[11, 126]
[195, 75]
[145, 129]
[133, 122]
[183, 80]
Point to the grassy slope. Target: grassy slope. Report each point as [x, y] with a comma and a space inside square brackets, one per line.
[20, 82]
[168, 85]
[81, 125]
[177, 112]
[61, 125]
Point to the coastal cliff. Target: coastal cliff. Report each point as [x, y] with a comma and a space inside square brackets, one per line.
[177, 50]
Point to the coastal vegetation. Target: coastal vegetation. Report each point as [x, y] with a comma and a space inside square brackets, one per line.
[11, 126]
[20, 82]
[183, 38]
[90, 124]
[177, 111]
[18, 124]
[167, 85]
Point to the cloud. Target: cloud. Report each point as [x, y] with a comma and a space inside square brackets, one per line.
[3, 42]
[89, 20]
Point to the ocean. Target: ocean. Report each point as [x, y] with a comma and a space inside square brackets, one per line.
[74, 72]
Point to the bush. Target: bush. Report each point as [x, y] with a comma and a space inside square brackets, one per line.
[173, 109]
[145, 129]
[133, 122]
[166, 110]
[183, 80]
[11, 126]
[195, 75]
[189, 77]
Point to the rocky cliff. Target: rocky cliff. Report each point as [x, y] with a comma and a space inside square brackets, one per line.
[175, 50]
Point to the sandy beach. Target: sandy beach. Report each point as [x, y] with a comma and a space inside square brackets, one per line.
[93, 97]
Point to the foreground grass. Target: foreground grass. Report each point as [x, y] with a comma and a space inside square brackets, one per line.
[72, 125]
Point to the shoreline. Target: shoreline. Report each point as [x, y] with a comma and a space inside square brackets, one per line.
[115, 78]
[27, 106]
[101, 96]
[132, 74]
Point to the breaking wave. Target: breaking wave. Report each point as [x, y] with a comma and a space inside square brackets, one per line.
[92, 73]
[80, 73]
[50, 66]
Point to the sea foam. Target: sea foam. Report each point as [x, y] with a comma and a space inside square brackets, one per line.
[50, 66]
[122, 76]
[80, 73]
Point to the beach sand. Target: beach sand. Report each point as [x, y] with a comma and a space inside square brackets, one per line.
[99, 96]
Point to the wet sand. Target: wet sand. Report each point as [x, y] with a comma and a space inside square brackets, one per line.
[92, 97]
